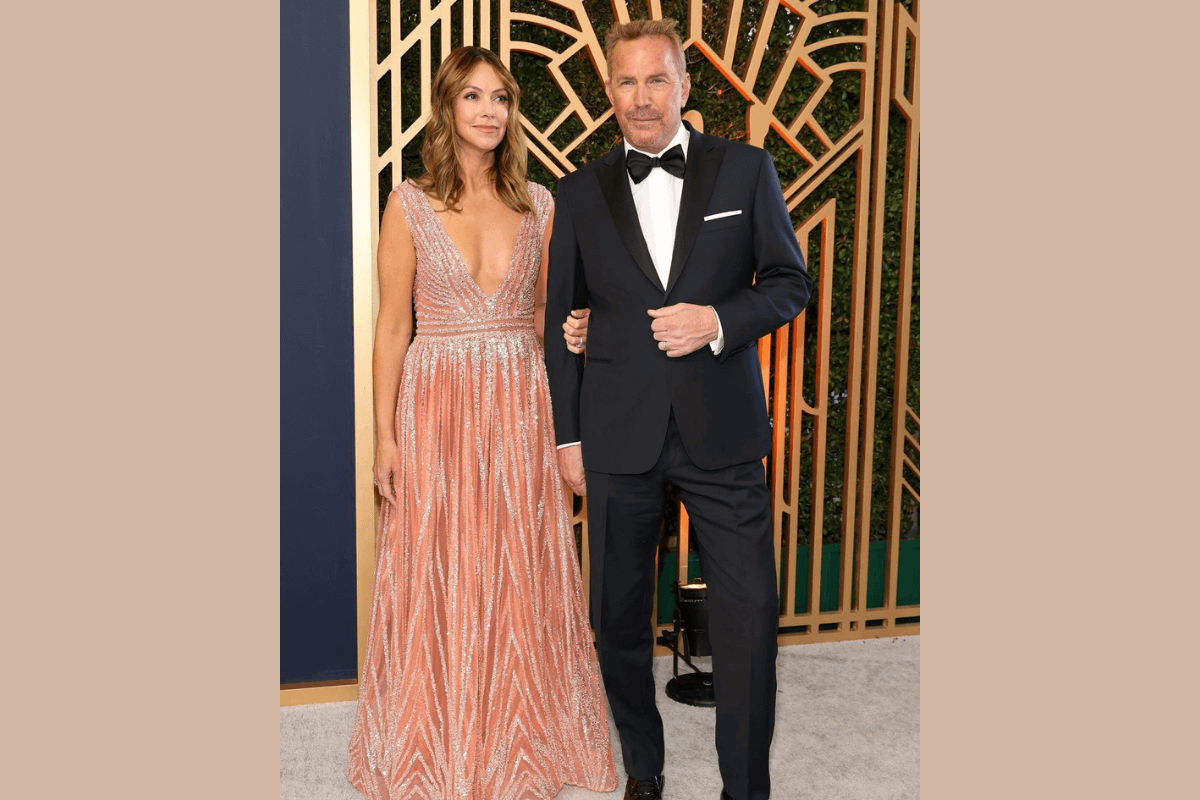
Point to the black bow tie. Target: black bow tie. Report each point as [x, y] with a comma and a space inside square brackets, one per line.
[640, 164]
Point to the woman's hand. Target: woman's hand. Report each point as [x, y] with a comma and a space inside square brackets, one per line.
[387, 470]
[575, 330]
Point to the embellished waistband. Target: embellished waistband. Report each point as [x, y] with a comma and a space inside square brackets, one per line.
[477, 329]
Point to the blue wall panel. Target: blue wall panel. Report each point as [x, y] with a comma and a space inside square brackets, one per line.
[316, 502]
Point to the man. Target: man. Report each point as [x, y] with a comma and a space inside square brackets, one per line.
[682, 247]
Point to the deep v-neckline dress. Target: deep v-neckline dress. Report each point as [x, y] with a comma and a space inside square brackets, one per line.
[480, 679]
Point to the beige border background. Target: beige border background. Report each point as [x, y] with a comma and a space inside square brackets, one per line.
[140, 321]
[141, 447]
[1059, 424]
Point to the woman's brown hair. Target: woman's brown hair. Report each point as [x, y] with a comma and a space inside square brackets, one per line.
[439, 153]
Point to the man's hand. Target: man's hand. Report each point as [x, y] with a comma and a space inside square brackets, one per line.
[570, 464]
[575, 330]
[683, 328]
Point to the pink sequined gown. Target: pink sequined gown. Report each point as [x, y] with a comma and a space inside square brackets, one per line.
[480, 678]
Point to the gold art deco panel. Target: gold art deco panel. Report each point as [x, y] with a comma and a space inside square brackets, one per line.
[780, 60]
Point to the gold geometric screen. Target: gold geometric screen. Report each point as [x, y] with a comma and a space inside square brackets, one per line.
[831, 89]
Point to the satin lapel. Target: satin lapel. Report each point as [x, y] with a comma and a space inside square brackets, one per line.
[615, 185]
[699, 178]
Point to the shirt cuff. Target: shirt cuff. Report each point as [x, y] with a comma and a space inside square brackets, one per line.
[718, 344]
[568, 444]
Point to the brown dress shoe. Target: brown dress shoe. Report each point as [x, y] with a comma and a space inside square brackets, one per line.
[650, 789]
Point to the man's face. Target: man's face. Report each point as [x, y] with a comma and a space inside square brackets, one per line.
[647, 89]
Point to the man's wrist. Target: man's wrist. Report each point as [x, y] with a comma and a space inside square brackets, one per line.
[717, 343]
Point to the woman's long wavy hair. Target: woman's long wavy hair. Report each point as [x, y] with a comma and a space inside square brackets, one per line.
[442, 178]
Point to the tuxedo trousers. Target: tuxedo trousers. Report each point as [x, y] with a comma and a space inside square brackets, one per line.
[730, 511]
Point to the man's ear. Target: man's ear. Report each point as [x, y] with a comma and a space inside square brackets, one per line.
[687, 88]
[608, 93]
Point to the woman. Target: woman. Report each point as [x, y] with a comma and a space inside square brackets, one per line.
[480, 678]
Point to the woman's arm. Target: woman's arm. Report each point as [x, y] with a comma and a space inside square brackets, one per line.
[539, 291]
[393, 330]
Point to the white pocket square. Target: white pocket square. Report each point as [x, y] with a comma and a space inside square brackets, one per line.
[723, 214]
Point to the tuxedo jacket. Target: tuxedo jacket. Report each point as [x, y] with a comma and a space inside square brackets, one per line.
[735, 250]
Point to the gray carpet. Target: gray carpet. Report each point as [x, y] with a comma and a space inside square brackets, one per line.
[847, 726]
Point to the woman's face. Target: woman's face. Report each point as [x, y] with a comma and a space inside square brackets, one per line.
[481, 110]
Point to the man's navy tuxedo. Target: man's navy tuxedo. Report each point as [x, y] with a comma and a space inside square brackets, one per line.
[698, 422]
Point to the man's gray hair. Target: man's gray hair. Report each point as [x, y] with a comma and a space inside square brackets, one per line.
[640, 28]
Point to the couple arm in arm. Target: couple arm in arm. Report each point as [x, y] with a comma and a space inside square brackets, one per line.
[780, 291]
[679, 329]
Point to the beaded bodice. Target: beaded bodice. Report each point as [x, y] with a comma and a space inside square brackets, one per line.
[448, 300]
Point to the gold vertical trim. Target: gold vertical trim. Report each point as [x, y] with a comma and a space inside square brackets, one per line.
[685, 547]
[892, 547]
[362, 199]
[876, 156]
[910, 110]
[503, 50]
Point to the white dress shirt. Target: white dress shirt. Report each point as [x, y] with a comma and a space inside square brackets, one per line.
[656, 199]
